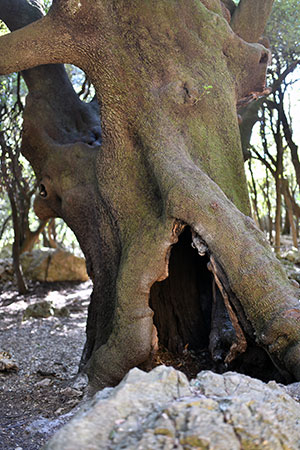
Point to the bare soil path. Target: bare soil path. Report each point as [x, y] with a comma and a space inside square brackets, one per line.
[43, 393]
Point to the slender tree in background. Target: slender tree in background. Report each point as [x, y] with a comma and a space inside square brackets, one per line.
[273, 114]
[18, 184]
[169, 170]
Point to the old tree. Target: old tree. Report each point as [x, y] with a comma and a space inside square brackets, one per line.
[157, 197]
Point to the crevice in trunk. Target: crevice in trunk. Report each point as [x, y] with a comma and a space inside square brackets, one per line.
[194, 329]
[182, 302]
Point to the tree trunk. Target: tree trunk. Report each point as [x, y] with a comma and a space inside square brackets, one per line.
[268, 202]
[278, 182]
[278, 213]
[170, 163]
[289, 207]
[21, 283]
[287, 227]
[254, 197]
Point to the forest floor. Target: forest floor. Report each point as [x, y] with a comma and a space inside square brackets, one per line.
[41, 390]
[44, 391]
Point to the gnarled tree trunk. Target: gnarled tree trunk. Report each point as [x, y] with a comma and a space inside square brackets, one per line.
[170, 164]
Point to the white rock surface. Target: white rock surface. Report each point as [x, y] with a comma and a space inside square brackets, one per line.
[162, 410]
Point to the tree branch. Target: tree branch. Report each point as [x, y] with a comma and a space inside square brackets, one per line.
[8, 218]
[41, 42]
[18, 13]
[250, 18]
[264, 161]
[284, 74]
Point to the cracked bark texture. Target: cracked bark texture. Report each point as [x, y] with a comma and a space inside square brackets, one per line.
[170, 158]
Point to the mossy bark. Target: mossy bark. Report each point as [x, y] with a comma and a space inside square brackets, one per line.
[170, 157]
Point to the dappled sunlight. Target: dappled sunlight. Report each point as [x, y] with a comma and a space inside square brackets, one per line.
[61, 298]
[38, 340]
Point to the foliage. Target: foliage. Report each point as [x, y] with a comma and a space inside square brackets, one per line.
[276, 116]
[16, 173]
[283, 30]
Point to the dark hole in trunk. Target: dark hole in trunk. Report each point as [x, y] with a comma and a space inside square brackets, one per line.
[182, 302]
[186, 318]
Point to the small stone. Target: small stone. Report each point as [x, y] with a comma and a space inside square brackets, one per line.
[294, 282]
[39, 310]
[69, 392]
[80, 382]
[45, 382]
[61, 312]
[7, 364]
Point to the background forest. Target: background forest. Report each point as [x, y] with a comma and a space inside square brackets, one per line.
[269, 131]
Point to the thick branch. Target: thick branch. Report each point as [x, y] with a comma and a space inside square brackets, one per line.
[41, 42]
[250, 18]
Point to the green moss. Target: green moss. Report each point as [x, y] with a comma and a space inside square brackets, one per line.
[164, 432]
[195, 441]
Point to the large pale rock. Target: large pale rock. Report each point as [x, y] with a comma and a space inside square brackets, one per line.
[162, 410]
[53, 265]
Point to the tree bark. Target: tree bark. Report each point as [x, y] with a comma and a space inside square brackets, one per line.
[289, 206]
[170, 159]
[249, 19]
[254, 198]
[21, 283]
[278, 214]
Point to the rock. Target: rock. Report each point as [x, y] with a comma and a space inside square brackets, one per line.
[44, 382]
[295, 279]
[7, 363]
[80, 382]
[61, 312]
[46, 371]
[44, 309]
[293, 390]
[295, 275]
[292, 255]
[53, 265]
[39, 310]
[46, 265]
[70, 392]
[162, 410]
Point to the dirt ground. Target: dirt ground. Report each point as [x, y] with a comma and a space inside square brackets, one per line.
[45, 391]
[42, 393]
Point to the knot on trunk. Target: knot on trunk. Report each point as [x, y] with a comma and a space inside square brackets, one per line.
[47, 203]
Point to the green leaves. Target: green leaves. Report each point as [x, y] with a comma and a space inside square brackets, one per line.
[283, 30]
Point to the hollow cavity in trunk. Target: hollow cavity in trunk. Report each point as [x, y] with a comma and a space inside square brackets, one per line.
[195, 331]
